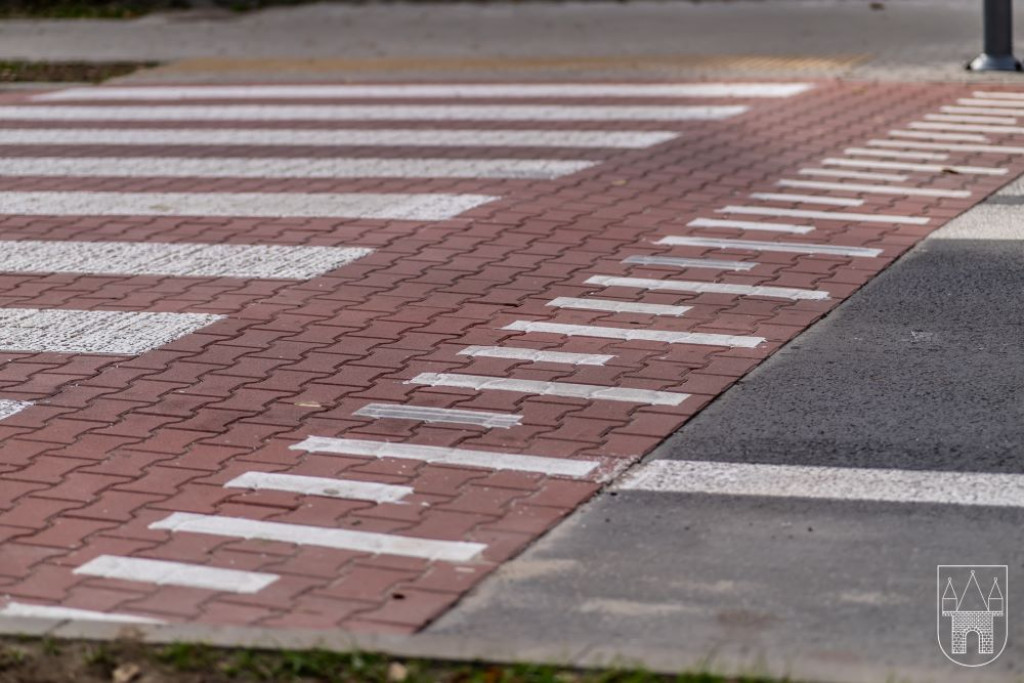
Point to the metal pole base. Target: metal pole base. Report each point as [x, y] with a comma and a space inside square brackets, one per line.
[986, 62]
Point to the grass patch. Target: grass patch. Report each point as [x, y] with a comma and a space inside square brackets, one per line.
[66, 72]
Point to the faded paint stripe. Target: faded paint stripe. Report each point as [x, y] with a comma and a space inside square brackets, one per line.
[875, 189]
[794, 247]
[825, 215]
[589, 392]
[34, 330]
[164, 573]
[10, 408]
[927, 156]
[438, 455]
[320, 486]
[964, 118]
[831, 173]
[987, 108]
[750, 225]
[627, 334]
[828, 483]
[968, 128]
[175, 260]
[21, 609]
[921, 168]
[805, 199]
[447, 415]
[673, 262]
[929, 135]
[420, 207]
[536, 355]
[339, 539]
[706, 287]
[613, 306]
[993, 149]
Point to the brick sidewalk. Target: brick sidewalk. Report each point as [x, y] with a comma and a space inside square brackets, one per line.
[129, 456]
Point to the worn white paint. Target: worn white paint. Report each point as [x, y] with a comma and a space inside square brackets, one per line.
[999, 94]
[320, 486]
[446, 415]
[589, 392]
[993, 149]
[420, 207]
[21, 609]
[893, 154]
[828, 483]
[825, 215]
[919, 168]
[536, 355]
[371, 112]
[34, 330]
[438, 455]
[987, 108]
[324, 537]
[875, 189]
[612, 306]
[805, 199]
[673, 262]
[9, 408]
[383, 137]
[409, 91]
[930, 135]
[163, 573]
[857, 175]
[968, 127]
[962, 118]
[699, 287]
[175, 260]
[634, 334]
[791, 247]
[750, 225]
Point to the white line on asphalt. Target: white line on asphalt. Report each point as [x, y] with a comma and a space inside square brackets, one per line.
[947, 137]
[448, 415]
[536, 355]
[421, 207]
[999, 95]
[320, 486]
[860, 151]
[628, 334]
[612, 306]
[805, 199]
[958, 118]
[792, 247]
[21, 609]
[830, 483]
[673, 262]
[750, 225]
[122, 333]
[324, 537]
[270, 167]
[10, 408]
[589, 392]
[439, 455]
[825, 215]
[164, 573]
[999, 110]
[858, 175]
[369, 112]
[874, 189]
[163, 137]
[994, 149]
[447, 90]
[175, 260]
[1000, 106]
[706, 287]
[970, 127]
[923, 168]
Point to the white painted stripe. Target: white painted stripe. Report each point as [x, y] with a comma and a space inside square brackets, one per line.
[994, 149]
[269, 167]
[612, 306]
[792, 247]
[928, 135]
[825, 215]
[448, 415]
[958, 118]
[1000, 95]
[320, 486]
[34, 330]
[164, 573]
[10, 408]
[175, 260]
[969, 127]
[875, 189]
[831, 173]
[828, 483]
[536, 355]
[21, 609]
[388, 137]
[366, 112]
[989, 102]
[446, 90]
[589, 392]
[706, 287]
[922, 168]
[805, 199]
[340, 539]
[673, 262]
[750, 225]
[438, 455]
[422, 207]
[860, 151]
[627, 334]
[998, 111]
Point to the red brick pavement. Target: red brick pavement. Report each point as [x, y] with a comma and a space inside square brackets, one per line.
[114, 444]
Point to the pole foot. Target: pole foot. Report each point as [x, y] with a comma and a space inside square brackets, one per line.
[986, 62]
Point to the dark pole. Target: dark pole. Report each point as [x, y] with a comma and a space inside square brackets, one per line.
[998, 53]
